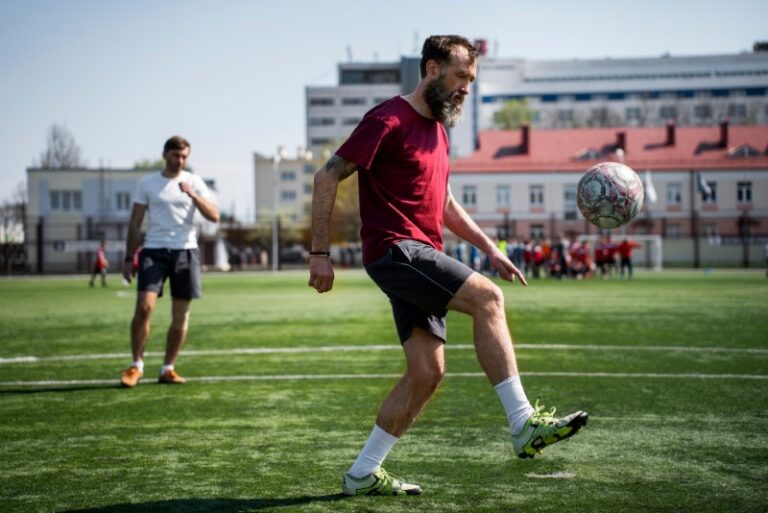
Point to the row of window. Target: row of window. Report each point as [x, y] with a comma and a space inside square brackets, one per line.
[651, 76]
[703, 112]
[348, 101]
[72, 201]
[353, 121]
[620, 96]
[536, 196]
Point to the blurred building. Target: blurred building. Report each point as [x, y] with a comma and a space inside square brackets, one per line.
[71, 210]
[284, 185]
[522, 184]
[645, 91]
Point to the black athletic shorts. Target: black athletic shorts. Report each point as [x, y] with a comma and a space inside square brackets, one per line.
[420, 281]
[180, 266]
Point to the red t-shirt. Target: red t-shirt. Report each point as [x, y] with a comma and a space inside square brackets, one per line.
[403, 165]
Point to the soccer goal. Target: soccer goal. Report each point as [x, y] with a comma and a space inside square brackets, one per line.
[648, 255]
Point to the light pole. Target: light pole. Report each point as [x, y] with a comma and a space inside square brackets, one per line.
[275, 221]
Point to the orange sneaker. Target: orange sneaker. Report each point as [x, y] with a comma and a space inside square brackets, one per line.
[171, 378]
[131, 377]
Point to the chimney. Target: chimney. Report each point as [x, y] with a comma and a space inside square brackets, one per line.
[621, 141]
[723, 133]
[525, 138]
[670, 134]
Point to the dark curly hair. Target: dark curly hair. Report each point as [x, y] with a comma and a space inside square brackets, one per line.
[439, 48]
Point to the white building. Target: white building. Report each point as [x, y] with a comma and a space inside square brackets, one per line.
[646, 91]
[71, 210]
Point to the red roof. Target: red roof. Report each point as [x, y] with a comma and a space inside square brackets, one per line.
[556, 150]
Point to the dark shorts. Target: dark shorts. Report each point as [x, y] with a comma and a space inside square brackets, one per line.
[420, 281]
[180, 266]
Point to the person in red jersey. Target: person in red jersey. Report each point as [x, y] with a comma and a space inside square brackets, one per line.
[625, 254]
[401, 151]
[100, 266]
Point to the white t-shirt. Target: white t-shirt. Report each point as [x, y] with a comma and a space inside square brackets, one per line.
[171, 212]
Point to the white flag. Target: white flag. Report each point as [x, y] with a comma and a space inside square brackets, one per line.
[650, 190]
[704, 188]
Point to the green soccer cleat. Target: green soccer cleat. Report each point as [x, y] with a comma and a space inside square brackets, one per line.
[544, 429]
[378, 483]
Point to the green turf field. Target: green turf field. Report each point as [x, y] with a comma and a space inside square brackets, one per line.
[285, 384]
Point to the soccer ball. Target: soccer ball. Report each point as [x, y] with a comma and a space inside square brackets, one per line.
[609, 194]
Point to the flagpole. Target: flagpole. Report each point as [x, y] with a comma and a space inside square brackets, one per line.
[694, 222]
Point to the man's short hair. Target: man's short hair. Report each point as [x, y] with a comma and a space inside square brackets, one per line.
[439, 48]
[176, 142]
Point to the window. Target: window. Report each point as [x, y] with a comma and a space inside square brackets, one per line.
[320, 141]
[633, 113]
[353, 101]
[703, 111]
[321, 102]
[307, 188]
[502, 196]
[711, 198]
[321, 121]
[66, 201]
[744, 192]
[565, 115]
[469, 196]
[536, 231]
[668, 112]
[123, 200]
[350, 121]
[287, 176]
[288, 196]
[569, 202]
[536, 194]
[737, 110]
[674, 194]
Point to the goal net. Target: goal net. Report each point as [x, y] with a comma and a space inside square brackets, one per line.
[649, 254]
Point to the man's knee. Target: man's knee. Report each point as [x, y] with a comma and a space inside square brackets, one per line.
[427, 378]
[479, 295]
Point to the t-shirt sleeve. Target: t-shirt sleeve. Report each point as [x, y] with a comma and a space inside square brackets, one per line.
[140, 194]
[198, 184]
[366, 141]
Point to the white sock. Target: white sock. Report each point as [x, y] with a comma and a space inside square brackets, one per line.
[166, 368]
[139, 364]
[374, 451]
[515, 403]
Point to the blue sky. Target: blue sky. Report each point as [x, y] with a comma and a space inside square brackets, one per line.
[230, 75]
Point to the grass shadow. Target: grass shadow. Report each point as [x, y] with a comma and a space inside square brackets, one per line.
[210, 505]
[58, 389]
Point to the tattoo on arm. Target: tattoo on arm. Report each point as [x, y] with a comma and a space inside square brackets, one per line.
[343, 169]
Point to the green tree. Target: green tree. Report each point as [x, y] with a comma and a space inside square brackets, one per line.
[513, 114]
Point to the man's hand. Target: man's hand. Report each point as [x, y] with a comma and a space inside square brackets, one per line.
[186, 188]
[320, 274]
[128, 271]
[506, 269]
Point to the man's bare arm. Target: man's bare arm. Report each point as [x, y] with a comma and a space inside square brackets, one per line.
[326, 184]
[134, 238]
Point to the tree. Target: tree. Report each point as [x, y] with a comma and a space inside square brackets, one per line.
[149, 164]
[61, 152]
[513, 114]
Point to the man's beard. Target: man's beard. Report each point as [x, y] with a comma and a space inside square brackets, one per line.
[445, 106]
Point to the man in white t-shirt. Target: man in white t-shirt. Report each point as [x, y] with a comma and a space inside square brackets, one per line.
[169, 251]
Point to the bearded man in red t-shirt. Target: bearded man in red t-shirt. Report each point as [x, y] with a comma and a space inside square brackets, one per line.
[401, 150]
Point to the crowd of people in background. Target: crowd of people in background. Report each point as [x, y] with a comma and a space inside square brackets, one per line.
[561, 258]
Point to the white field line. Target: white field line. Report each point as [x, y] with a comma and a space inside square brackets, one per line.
[381, 347]
[332, 377]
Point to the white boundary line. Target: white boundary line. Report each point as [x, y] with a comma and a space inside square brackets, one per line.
[382, 347]
[330, 377]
